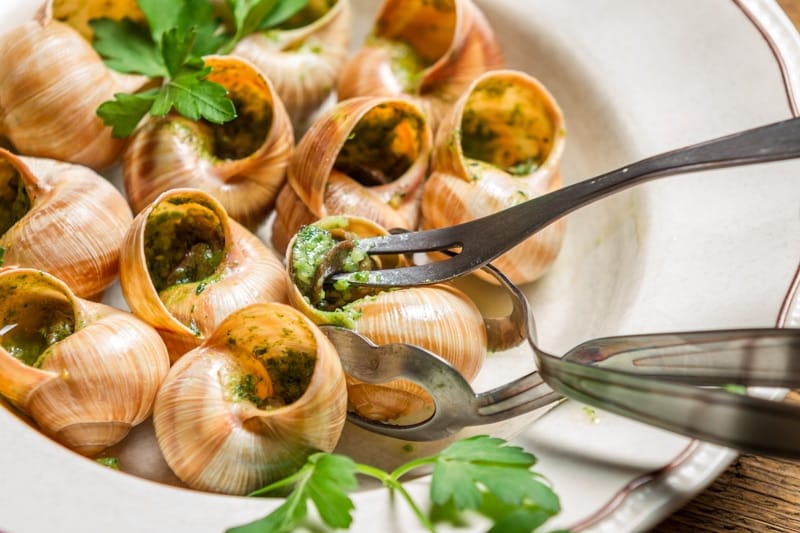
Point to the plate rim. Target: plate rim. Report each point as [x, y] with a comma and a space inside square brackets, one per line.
[615, 515]
[618, 513]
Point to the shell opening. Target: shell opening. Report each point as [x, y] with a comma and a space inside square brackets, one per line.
[254, 104]
[184, 243]
[242, 136]
[34, 316]
[278, 358]
[382, 146]
[78, 13]
[316, 254]
[14, 199]
[416, 35]
[505, 125]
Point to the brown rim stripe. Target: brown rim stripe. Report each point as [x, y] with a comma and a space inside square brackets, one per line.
[659, 474]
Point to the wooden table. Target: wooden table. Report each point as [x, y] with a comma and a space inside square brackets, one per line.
[754, 493]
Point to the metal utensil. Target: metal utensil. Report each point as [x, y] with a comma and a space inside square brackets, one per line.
[479, 241]
[655, 379]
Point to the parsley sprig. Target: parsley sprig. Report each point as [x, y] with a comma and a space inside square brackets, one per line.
[483, 474]
[170, 47]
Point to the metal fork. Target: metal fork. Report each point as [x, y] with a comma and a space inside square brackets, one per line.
[657, 379]
[479, 241]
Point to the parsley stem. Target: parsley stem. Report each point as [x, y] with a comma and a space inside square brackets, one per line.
[291, 480]
[391, 482]
[412, 465]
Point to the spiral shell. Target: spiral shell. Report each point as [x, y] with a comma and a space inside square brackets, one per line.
[366, 157]
[500, 145]
[51, 84]
[78, 13]
[85, 372]
[439, 318]
[242, 163]
[427, 51]
[303, 56]
[61, 218]
[186, 265]
[249, 405]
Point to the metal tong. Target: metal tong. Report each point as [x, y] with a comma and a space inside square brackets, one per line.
[662, 380]
[659, 379]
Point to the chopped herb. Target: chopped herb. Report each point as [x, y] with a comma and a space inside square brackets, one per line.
[290, 373]
[110, 462]
[735, 388]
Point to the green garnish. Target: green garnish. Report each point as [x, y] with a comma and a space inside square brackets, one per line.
[258, 15]
[735, 388]
[483, 474]
[171, 47]
[109, 462]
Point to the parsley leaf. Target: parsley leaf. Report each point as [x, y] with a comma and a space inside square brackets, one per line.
[194, 97]
[125, 111]
[171, 46]
[282, 12]
[160, 15]
[469, 467]
[127, 47]
[179, 34]
[257, 15]
[325, 479]
[481, 473]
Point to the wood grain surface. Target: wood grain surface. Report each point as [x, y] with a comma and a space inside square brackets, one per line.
[755, 494]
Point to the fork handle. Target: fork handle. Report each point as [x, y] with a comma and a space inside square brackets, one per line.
[495, 234]
[765, 357]
[748, 424]
[773, 142]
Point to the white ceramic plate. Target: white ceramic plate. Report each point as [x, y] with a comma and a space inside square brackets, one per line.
[710, 250]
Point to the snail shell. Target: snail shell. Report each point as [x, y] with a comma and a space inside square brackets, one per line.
[85, 372]
[366, 157]
[52, 83]
[185, 265]
[303, 56]
[427, 51]
[242, 163]
[501, 144]
[61, 218]
[249, 405]
[78, 13]
[439, 318]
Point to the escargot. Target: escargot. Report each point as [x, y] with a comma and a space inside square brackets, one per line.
[242, 163]
[501, 144]
[79, 13]
[51, 85]
[427, 51]
[185, 265]
[439, 318]
[62, 218]
[252, 402]
[366, 157]
[85, 372]
[303, 55]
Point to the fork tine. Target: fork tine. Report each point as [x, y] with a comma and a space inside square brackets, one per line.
[483, 239]
[404, 241]
[422, 274]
